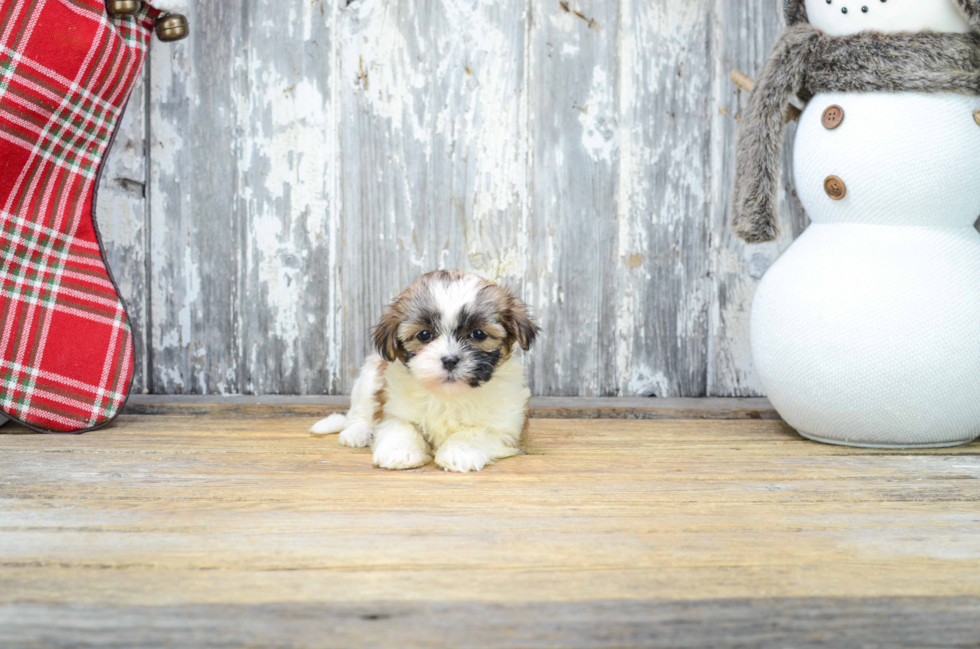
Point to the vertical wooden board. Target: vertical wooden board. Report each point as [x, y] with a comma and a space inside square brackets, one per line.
[196, 209]
[666, 80]
[574, 115]
[742, 36]
[433, 148]
[121, 214]
[562, 147]
[286, 129]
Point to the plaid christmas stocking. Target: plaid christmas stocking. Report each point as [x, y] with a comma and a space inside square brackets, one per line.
[66, 347]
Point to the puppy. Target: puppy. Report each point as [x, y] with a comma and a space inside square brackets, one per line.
[445, 380]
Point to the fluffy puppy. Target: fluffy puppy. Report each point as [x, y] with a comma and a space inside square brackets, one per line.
[445, 379]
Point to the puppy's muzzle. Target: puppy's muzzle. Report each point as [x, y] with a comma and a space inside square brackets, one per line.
[450, 362]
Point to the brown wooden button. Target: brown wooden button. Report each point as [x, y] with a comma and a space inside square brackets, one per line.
[835, 188]
[976, 117]
[832, 117]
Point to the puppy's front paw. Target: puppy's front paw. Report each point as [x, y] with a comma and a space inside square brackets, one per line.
[357, 435]
[461, 457]
[398, 458]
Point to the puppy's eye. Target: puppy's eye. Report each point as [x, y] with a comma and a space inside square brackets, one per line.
[479, 335]
[425, 336]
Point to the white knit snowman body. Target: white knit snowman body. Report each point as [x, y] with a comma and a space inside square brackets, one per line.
[867, 330]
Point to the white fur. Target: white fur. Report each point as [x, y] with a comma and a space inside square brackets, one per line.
[887, 17]
[357, 426]
[331, 425]
[488, 419]
[399, 445]
[467, 429]
[429, 370]
[464, 428]
[427, 365]
[452, 297]
[357, 435]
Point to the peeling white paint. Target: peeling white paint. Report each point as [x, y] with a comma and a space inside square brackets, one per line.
[294, 190]
[188, 313]
[645, 383]
[496, 269]
[627, 307]
[175, 281]
[599, 119]
[384, 138]
[384, 71]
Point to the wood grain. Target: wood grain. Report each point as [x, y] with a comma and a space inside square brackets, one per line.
[572, 229]
[541, 407]
[308, 158]
[286, 156]
[198, 204]
[806, 622]
[663, 202]
[433, 153]
[674, 519]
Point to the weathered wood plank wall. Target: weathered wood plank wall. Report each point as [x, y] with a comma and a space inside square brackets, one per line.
[283, 173]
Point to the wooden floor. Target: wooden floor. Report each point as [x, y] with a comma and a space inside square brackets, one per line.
[225, 530]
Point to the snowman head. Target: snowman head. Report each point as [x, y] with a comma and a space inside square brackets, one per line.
[842, 17]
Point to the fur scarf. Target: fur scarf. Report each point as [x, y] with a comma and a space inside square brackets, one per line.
[806, 61]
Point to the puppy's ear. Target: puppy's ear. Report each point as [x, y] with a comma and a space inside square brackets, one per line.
[520, 323]
[386, 336]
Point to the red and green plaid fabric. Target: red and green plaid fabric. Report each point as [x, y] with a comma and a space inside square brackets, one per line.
[66, 73]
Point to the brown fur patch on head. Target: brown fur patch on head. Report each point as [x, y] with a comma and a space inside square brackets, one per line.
[444, 276]
[408, 315]
[495, 310]
[386, 334]
[512, 313]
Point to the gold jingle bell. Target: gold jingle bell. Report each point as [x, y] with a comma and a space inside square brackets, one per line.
[123, 7]
[172, 27]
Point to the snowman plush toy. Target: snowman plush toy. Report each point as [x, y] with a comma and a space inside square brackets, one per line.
[866, 331]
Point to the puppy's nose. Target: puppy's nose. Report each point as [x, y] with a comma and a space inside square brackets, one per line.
[449, 362]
